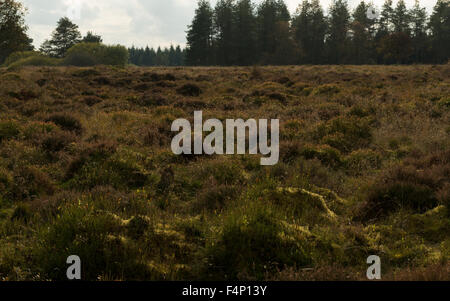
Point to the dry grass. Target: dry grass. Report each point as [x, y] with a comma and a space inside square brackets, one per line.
[86, 168]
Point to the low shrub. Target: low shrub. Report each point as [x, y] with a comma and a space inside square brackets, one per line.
[57, 141]
[106, 169]
[252, 244]
[31, 183]
[346, 134]
[91, 236]
[19, 55]
[189, 90]
[91, 54]
[8, 130]
[66, 122]
[35, 60]
[328, 155]
[215, 198]
[22, 213]
[363, 160]
[419, 184]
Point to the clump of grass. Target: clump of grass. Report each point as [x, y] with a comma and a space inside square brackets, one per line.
[97, 168]
[67, 122]
[22, 213]
[252, 244]
[326, 154]
[31, 183]
[9, 130]
[24, 94]
[326, 90]
[190, 90]
[346, 134]
[79, 230]
[414, 185]
[215, 198]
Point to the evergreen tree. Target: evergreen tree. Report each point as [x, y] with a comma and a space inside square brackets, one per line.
[92, 38]
[13, 31]
[419, 33]
[270, 14]
[309, 26]
[362, 35]
[245, 37]
[339, 23]
[385, 22]
[401, 18]
[440, 31]
[224, 29]
[65, 36]
[200, 36]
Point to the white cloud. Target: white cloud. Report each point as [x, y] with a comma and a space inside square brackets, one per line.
[134, 22]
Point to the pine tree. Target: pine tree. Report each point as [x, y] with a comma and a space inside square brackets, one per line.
[200, 36]
[401, 18]
[337, 42]
[13, 31]
[92, 38]
[224, 29]
[245, 38]
[270, 13]
[362, 39]
[309, 27]
[419, 33]
[440, 31]
[385, 23]
[65, 36]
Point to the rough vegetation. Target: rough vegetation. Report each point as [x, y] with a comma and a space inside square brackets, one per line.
[86, 168]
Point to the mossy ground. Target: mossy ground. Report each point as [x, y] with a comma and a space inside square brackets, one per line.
[86, 169]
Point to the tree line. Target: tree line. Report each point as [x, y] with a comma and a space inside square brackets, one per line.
[14, 39]
[172, 56]
[238, 32]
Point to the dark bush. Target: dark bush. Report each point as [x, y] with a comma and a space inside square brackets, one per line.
[57, 141]
[24, 94]
[22, 213]
[92, 100]
[189, 90]
[346, 134]
[8, 130]
[91, 54]
[419, 184]
[252, 245]
[391, 197]
[67, 122]
[31, 183]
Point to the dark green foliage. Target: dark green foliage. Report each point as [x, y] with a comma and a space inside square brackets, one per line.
[13, 31]
[234, 32]
[91, 54]
[199, 49]
[63, 38]
[92, 38]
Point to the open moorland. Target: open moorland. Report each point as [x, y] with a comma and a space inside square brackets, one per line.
[86, 169]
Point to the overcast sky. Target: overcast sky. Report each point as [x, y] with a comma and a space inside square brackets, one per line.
[133, 22]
